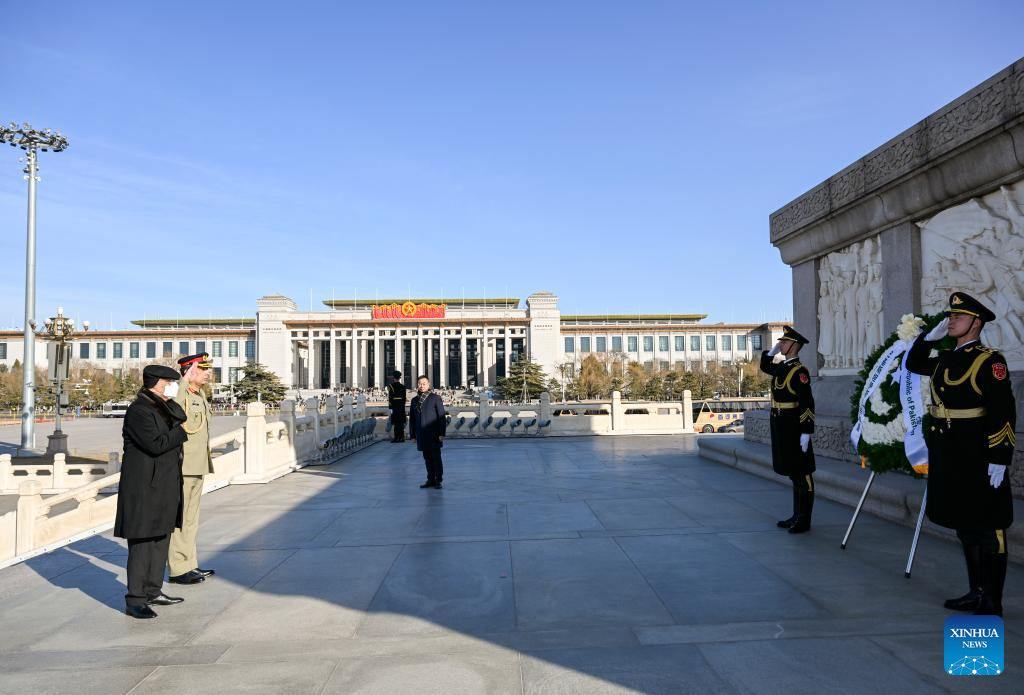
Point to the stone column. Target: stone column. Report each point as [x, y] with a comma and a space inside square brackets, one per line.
[618, 414]
[288, 418]
[901, 274]
[333, 371]
[463, 362]
[483, 351]
[400, 353]
[805, 311]
[688, 410]
[256, 437]
[421, 360]
[364, 367]
[378, 361]
[29, 499]
[508, 351]
[444, 360]
[545, 411]
[310, 363]
[332, 410]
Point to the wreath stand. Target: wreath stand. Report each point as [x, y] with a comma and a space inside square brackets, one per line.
[917, 528]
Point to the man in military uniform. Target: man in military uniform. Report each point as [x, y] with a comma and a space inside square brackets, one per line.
[971, 434]
[182, 558]
[792, 424]
[396, 402]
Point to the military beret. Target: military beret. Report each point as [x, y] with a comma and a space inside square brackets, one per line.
[155, 372]
[963, 303]
[789, 334]
[201, 360]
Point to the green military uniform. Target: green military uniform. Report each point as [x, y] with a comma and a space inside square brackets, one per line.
[971, 425]
[196, 463]
[792, 415]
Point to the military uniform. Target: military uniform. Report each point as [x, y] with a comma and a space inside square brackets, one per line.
[792, 415]
[396, 402]
[182, 558]
[971, 424]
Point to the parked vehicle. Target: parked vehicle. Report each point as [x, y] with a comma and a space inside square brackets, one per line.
[111, 409]
[714, 415]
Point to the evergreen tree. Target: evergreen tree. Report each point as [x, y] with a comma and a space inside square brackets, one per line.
[510, 387]
[259, 383]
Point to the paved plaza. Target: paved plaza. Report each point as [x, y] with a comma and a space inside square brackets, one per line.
[571, 565]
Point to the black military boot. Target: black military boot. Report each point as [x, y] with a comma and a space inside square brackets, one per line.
[803, 520]
[969, 601]
[993, 576]
[787, 523]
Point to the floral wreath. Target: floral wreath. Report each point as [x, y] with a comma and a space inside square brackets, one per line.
[881, 443]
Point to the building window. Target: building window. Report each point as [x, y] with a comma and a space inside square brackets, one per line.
[680, 343]
[648, 343]
[709, 343]
[150, 351]
[83, 351]
[118, 350]
[200, 346]
[3, 351]
[632, 343]
[216, 345]
[233, 348]
[133, 351]
[741, 342]
[584, 344]
[755, 342]
[250, 349]
[183, 347]
[664, 365]
[602, 344]
[616, 343]
[694, 343]
[168, 350]
[101, 351]
[216, 375]
[570, 345]
[662, 343]
[727, 343]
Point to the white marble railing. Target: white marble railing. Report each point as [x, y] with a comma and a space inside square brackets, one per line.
[256, 453]
[57, 475]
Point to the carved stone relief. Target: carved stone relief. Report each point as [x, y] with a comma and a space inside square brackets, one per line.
[978, 247]
[850, 304]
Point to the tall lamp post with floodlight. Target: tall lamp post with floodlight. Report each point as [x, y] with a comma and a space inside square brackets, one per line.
[31, 141]
[60, 333]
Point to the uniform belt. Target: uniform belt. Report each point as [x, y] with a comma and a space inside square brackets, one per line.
[944, 413]
[776, 405]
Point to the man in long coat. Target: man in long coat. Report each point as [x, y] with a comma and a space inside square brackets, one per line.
[970, 435]
[792, 424]
[149, 494]
[427, 427]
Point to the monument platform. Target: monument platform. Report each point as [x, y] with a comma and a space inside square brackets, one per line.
[591, 564]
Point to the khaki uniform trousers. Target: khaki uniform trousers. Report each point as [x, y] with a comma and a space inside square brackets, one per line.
[182, 555]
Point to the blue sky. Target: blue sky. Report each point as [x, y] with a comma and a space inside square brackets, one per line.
[625, 156]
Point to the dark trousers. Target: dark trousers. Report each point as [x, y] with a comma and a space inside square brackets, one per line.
[990, 540]
[435, 469]
[147, 558]
[399, 426]
[803, 483]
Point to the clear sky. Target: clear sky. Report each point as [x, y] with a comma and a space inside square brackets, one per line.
[624, 155]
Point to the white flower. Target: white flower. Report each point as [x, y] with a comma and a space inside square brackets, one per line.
[909, 327]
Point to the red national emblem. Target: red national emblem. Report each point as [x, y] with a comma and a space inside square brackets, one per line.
[804, 379]
[999, 371]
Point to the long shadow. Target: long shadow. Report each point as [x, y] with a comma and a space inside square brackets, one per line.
[569, 554]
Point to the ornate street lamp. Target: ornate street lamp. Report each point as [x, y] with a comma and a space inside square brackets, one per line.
[30, 140]
[60, 332]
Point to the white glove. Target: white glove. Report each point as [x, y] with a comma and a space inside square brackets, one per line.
[940, 330]
[774, 351]
[995, 474]
[805, 441]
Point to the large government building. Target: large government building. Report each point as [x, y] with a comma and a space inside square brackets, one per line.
[462, 342]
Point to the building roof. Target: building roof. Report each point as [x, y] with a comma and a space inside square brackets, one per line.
[633, 317]
[193, 323]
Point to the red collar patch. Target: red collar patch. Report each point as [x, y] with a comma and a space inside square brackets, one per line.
[804, 379]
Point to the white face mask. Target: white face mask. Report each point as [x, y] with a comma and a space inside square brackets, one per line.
[171, 390]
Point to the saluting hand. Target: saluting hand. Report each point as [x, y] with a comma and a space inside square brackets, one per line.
[939, 332]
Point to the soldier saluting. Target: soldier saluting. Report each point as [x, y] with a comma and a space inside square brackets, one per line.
[970, 440]
[792, 424]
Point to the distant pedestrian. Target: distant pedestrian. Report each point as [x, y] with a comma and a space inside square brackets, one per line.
[427, 427]
[396, 402]
[149, 494]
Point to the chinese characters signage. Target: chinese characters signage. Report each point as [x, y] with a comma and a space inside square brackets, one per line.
[408, 310]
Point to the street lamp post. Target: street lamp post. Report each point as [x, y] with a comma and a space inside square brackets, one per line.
[31, 141]
[59, 331]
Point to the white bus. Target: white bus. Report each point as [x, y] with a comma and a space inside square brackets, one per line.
[111, 409]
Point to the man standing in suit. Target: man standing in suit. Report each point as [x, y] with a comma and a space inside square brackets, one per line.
[427, 427]
[396, 402]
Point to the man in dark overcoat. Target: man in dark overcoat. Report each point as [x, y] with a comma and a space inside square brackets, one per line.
[149, 494]
[396, 402]
[427, 427]
[971, 433]
[792, 424]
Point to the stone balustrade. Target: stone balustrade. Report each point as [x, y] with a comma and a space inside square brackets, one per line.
[58, 475]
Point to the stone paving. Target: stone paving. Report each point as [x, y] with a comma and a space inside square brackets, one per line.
[562, 565]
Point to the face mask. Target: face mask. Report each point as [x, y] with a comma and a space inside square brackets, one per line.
[171, 390]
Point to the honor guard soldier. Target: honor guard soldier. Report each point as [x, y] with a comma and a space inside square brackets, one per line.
[396, 402]
[182, 559]
[792, 424]
[971, 437]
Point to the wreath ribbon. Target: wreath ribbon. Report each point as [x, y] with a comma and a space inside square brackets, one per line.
[872, 383]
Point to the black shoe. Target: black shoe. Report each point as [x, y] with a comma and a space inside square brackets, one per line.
[429, 483]
[437, 486]
[190, 577]
[163, 599]
[140, 612]
[787, 523]
[205, 573]
[803, 520]
[967, 602]
[993, 576]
